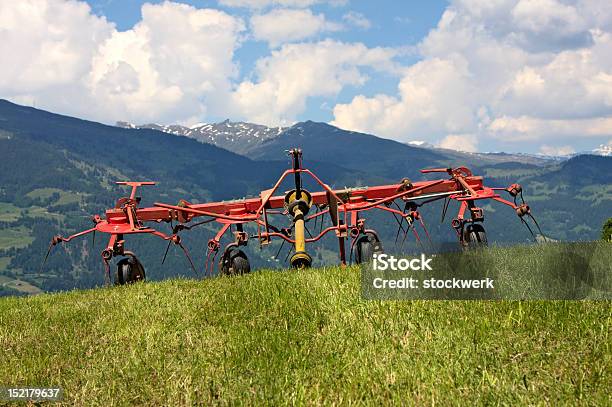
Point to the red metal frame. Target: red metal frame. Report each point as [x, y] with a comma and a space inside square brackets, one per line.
[128, 218]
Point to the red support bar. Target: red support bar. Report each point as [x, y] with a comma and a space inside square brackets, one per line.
[461, 186]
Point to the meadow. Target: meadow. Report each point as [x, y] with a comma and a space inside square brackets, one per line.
[307, 337]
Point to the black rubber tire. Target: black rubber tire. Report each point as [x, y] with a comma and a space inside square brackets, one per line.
[475, 235]
[366, 246]
[236, 263]
[129, 270]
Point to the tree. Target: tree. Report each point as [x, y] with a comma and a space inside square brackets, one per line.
[606, 231]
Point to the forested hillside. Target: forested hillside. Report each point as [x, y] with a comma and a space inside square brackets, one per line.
[56, 171]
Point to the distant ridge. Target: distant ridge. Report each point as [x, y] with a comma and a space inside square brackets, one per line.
[238, 137]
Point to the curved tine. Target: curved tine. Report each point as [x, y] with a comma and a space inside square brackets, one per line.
[279, 249]
[400, 226]
[188, 257]
[321, 221]
[206, 270]
[321, 225]
[42, 265]
[426, 231]
[538, 226]
[530, 231]
[398, 207]
[107, 279]
[93, 239]
[307, 231]
[353, 243]
[416, 234]
[166, 252]
[397, 234]
[445, 209]
[213, 261]
[399, 222]
[405, 235]
[410, 226]
[522, 199]
[288, 253]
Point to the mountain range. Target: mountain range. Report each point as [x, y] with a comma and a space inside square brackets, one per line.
[55, 171]
[243, 137]
[239, 137]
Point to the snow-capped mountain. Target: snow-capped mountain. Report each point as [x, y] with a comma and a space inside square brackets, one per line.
[420, 143]
[249, 138]
[238, 137]
[603, 150]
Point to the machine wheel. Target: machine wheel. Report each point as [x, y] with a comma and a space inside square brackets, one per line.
[365, 248]
[474, 235]
[234, 262]
[129, 270]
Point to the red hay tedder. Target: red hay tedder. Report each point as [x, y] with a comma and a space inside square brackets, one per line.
[343, 209]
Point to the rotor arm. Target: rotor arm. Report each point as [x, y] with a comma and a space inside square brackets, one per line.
[60, 239]
[200, 212]
[522, 209]
[55, 240]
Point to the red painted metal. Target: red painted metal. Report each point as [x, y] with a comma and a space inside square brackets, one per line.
[128, 218]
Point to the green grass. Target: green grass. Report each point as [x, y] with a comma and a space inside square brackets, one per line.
[39, 212]
[5, 279]
[9, 212]
[65, 197]
[18, 286]
[305, 348]
[12, 213]
[596, 193]
[43, 193]
[303, 338]
[16, 237]
[21, 286]
[4, 262]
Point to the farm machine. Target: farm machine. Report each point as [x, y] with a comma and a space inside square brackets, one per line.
[336, 212]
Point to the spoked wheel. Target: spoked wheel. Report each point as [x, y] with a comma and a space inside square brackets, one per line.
[366, 246]
[234, 262]
[129, 270]
[474, 235]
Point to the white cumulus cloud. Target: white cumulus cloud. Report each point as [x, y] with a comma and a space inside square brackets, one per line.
[46, 44]
[434, 98]
[259, 4]
[491, 73]
[296, 72]
[290, 25]
[357, 19]
[174, 65]
[460, 142]
[506, 70]
[163, 72]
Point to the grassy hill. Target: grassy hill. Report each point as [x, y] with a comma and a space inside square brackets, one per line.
[303, 337]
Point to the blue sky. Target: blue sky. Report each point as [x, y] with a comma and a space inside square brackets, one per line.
[472, 75]
[393, 24]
